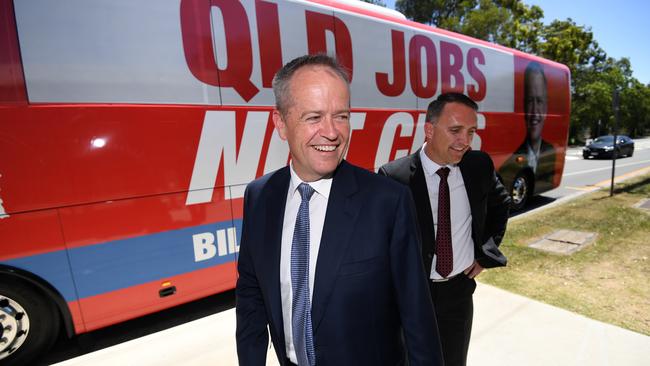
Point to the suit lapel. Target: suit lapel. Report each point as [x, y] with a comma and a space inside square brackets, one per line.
[275, 205]
[418, 185]
[342, 210]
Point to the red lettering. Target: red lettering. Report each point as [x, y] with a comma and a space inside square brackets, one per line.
[317, 26]
[474, 57]
[268, 31]
[420, 88]
[199, 50]
[451, 64]
[399, 69]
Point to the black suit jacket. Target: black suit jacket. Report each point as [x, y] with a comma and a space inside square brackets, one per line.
[370, 292]
[489, 202]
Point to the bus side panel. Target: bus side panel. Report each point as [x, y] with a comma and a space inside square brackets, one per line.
[81, 154]
[143, 299]
[141, 246]
[12, 83]
[33, 242]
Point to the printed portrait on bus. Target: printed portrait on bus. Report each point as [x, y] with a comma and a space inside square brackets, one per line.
[532, 165]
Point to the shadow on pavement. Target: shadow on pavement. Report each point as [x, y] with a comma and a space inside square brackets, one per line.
[66, 349]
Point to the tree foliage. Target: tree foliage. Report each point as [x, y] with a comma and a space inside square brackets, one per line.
[376, 2]
[595, 76]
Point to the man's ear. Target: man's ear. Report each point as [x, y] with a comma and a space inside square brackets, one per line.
[278, 122]
[428, 131]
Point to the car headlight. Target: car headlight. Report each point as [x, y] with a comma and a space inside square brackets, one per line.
[609, 148]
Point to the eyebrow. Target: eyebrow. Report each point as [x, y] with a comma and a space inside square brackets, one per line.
[319, 112]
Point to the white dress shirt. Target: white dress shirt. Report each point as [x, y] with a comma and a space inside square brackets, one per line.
[317, 210]
[461, 214]
[533, 156]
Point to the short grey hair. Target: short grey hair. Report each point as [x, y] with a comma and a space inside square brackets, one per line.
[284, 75]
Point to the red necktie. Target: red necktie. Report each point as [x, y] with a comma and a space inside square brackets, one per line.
[444, 252]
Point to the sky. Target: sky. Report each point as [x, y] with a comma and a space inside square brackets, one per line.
[621, 28]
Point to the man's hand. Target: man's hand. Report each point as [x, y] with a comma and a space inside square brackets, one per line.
[473, 270]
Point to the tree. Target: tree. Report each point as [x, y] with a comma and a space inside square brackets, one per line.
[507, 22]
[566, 42]
[440, 13]
[635, 108]
[376, 2]
[594, 76]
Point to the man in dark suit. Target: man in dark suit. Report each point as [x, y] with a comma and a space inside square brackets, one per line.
[462, 209]
[535, 155]
[329, 261]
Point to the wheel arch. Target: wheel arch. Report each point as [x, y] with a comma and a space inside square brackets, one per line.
[46, 289]
[531, 178]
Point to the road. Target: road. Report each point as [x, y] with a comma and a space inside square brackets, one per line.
[585, 175]
[580, 174]
[184, 332]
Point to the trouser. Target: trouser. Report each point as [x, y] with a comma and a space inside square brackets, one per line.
[454, 308]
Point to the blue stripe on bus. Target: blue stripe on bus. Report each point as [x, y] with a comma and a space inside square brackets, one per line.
[119, 264]
[52, 267]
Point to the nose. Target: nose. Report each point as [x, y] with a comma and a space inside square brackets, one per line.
[536, 107]
[328, 128]
[465, 139]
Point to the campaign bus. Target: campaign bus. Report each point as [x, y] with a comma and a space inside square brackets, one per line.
[129, 130]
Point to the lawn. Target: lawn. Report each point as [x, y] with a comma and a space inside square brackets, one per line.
[607, 280]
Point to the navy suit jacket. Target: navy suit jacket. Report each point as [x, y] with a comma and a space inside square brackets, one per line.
[370, 304]
[488, 199]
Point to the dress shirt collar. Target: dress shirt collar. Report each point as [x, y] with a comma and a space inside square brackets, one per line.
[321, 186]
[431, 167]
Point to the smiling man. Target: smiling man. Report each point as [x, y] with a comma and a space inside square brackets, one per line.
[534, 158]
[329, 260]
[462, 209]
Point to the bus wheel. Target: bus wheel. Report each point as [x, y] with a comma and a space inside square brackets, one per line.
[520, 192]
[29, 323]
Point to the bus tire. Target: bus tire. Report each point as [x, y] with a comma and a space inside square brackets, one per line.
[30, 323]
[520, 191]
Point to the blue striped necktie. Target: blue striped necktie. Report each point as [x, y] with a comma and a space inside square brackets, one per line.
[303, 338]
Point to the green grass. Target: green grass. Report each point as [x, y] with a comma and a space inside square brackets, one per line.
[608, 280]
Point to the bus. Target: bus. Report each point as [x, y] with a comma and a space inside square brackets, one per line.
[129, 130]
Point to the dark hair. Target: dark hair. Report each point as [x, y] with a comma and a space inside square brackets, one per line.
[533, 67]
[283, 76]
[435, 108]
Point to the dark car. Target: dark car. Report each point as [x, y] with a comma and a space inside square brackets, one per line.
[603, 147]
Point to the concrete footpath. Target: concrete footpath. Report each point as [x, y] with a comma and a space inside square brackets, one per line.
[509, 330]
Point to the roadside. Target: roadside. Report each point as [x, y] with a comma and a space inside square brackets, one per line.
[607, 280]
[512, 330]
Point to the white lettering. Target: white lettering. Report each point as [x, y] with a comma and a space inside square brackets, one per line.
[204, 248]
[221, 242]
[217, 144]
[418, 139]
[480, 124]
[278, 154]
[400, 119]
[357, 120]
[3, 214]
[233, 246]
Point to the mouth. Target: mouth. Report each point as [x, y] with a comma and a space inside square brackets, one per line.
[459, 149]
[325, 148]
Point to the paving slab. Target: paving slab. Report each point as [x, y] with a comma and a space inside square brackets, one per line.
[508, 330]
[514, 330]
